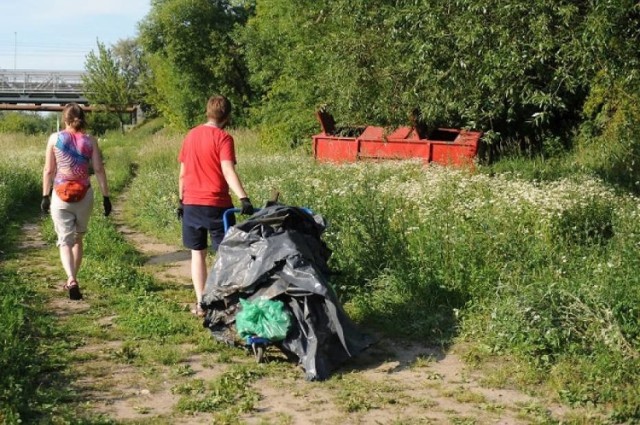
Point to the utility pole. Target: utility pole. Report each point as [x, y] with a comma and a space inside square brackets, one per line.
[15, 49]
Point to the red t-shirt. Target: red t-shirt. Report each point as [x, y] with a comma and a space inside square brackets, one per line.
[203, 150]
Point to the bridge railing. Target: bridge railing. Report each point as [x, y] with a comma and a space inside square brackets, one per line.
[34, 81]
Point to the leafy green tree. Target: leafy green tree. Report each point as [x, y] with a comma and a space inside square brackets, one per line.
[285, 56]
[492, 66]
[129, 57]
[503, 67]
[134, 67]
[192, 55]
[111, 81]
[609, 141]
[519, 71]
[99, 122]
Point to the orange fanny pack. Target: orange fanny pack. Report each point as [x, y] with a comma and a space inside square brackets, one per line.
[71, 190]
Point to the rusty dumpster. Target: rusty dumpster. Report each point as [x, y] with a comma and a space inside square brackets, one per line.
[447, 146]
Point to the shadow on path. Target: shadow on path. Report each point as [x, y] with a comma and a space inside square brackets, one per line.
[169, 257]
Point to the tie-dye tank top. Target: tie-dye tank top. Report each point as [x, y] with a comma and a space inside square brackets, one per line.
[73, 153]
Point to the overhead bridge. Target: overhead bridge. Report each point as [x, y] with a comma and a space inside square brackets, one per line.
[36, 90]
[41, 87]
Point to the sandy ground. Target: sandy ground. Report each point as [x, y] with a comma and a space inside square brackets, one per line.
[398, 382]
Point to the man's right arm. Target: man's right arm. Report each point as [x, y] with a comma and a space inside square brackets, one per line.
[232, 178]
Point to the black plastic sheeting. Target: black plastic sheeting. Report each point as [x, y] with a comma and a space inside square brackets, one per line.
[278, 253]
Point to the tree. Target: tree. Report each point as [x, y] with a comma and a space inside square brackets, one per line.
[129, 57]
[111, 81]
[134, 66]
[192, 55]
[609, 141]
[518, 70]
[287, 46]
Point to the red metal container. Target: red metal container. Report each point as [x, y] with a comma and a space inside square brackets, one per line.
[461, 151]
[445, 146]
[403, 143]
[335, 149]
[328, 146]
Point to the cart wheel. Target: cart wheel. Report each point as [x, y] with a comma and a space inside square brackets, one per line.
[259, 351]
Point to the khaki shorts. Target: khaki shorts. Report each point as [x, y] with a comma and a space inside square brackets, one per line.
[71, 219]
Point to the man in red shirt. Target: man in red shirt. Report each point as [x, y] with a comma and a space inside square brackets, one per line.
[207, 172]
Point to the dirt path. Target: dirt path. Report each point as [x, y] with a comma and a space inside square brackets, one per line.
[392, 382]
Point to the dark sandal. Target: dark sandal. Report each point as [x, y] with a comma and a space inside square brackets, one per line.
[74, 290]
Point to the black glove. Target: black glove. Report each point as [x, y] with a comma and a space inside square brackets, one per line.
[45, 204]
[180, 210]
[106, 203]
[247, 208]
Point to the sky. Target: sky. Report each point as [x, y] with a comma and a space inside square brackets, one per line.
[57, 35]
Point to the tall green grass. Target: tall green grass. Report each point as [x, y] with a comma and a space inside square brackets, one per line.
[542, 271]
[20, 176]
[22, 358]
[34, 353]
[534, 265]
[27, 352]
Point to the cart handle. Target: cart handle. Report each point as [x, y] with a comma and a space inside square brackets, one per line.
[227, 213]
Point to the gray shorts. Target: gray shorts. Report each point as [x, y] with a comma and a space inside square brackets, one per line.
[71, 219]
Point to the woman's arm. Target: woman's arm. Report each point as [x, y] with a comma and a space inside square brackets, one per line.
[98, 168]
[50, 166]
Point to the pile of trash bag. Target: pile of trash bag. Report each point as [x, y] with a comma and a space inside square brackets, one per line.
[262, 318]
[278, 254]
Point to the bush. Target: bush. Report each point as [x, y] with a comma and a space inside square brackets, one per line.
[98, 123]
[27, 123]
[609, 141]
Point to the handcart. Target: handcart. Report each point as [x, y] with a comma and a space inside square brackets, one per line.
[278, 256]
[232, 211]
[255, 343]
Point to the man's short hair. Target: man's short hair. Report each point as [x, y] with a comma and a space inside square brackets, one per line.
[218, 108]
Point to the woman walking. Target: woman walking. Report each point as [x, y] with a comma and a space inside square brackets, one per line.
[68, 156]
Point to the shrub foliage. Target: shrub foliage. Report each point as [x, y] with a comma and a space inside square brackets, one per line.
[530, 75]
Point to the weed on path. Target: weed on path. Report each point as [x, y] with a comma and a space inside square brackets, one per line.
[139, 356]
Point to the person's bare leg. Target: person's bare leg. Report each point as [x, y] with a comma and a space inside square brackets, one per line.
[199, 272]
[78, 251]
[69, 265]
[68, 262]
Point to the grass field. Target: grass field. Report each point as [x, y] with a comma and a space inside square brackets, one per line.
[540, 275]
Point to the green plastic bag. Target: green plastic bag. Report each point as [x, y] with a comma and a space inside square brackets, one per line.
[262, 318]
